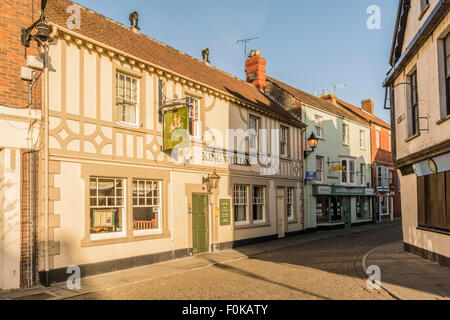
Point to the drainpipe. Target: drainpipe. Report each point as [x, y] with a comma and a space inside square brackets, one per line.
[45, 279]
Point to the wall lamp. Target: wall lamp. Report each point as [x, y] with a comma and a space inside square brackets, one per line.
[212, 181]
[313, 141]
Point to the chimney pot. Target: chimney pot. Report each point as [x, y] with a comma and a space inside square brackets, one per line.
[134, 22]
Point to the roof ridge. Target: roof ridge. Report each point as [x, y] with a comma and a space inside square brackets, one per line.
[158, 42]
[364, 111]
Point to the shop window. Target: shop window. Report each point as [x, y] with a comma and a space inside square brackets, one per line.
[363, 207]
[259, 204]
[240, 201]
[433, 195]
[107, 207]
[384, 205]
[336, 208]
[290, 203]
[195, 129]
[322, 209]
[127, 97]
[146, 206]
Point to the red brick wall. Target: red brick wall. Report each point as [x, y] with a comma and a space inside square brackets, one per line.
[30, 163]
[15, 14]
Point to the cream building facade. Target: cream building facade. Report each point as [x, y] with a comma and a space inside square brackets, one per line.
[116, 198]
[420, 100]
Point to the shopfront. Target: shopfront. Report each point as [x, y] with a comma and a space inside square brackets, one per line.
[342, 206]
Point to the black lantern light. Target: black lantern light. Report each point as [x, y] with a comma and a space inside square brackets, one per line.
[212, 181]
[313, 141]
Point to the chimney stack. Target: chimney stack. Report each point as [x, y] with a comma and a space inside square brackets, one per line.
[134, 21]
[330, 97]
[255, 69]
[205, 54]
[368, 106]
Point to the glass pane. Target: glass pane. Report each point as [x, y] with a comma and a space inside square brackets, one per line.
[106, 188]
[448, 66]
[134, 90]
[145, 219]
[128, 88]
[93, 202]
[101, 201]
[108, 220]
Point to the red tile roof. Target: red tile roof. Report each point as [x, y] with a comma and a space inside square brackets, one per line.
[317, 102]
[364, 114]
[113, 34]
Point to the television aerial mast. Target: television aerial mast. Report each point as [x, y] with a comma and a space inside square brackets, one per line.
[245, 41]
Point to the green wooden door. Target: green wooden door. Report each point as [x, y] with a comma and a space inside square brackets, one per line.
[200, 223]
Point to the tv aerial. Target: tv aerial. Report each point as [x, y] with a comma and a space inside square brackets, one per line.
[245, 41]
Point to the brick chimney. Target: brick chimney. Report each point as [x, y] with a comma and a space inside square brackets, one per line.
[330, 97]
[255, 69]
[368, 106]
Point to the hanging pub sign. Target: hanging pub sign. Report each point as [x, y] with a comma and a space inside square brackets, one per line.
[432, 166]
[176, 128]
[338, 168]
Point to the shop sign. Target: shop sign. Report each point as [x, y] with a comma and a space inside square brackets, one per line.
[342, 191]
[311, 176]
[176, 131]
[432, 166]
[222, 158]
[225, 212]
[338, 168]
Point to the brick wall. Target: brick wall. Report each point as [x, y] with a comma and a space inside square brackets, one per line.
[283, 98]
[15, 14]
[29, 220]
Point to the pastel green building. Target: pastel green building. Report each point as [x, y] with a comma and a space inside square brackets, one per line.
[338, 191]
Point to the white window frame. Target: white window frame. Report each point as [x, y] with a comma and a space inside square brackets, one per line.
[136, 103]
[377, 138]
[290, 201]
[159, 207]
[111, 235]
[363, 174]
[253, 137]
[345, 134]
[195, 116]
[319, 126]
[237, 195]
[259, 201]
[348, 172]
[320, 177]
[362, 139]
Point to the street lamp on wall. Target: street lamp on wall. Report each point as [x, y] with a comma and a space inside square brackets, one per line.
[212, 181]
[313, 141]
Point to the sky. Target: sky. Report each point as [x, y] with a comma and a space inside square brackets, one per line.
[309, 44]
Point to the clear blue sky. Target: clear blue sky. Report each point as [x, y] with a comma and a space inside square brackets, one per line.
[309, 44]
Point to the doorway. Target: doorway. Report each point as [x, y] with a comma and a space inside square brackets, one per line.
[281, 213]
[200, 223]
[346, 213]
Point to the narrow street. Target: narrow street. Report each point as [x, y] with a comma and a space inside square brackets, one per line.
[324, 269]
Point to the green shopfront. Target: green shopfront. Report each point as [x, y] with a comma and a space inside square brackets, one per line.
[339, 206]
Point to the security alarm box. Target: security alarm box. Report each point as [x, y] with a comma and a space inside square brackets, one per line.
[35, 63]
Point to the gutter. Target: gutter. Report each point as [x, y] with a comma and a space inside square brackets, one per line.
[436, 16]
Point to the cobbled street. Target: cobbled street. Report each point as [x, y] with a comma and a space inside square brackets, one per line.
[324, 269]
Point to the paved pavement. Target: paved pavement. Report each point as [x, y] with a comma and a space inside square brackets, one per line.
[323, 265]
[407, 276]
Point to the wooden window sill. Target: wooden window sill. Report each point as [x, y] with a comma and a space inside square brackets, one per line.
[443, 120]
[412, 137]
[252, 226]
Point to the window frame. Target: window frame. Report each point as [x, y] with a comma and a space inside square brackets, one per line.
[125, 100]
[195, 120]
[362, 139]
[246, 205]
[319, 126]
[284, 132]
[348, 173]
[124, 214]
[253, 138]
[321, 159]
[263, 204]
[345, 134]
[414, 106]
[160, 199]
[447, 73]
[378, 139]
[290, 202]
[363, 180]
